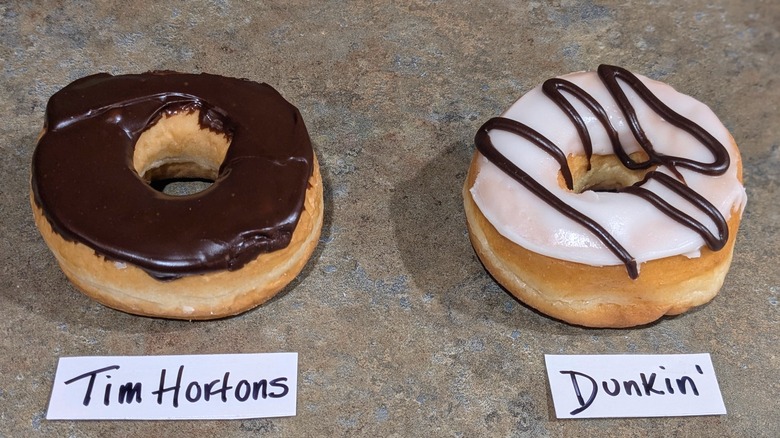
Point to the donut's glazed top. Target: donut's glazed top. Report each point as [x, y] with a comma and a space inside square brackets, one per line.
[678, 208]
[84, 181]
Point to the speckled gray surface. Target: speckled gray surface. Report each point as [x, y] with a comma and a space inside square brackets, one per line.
[399, 329]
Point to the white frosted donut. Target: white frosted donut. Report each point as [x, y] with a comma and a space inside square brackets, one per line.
[686, 148]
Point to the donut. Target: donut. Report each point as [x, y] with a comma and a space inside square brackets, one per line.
[605, 199]
[215, 253]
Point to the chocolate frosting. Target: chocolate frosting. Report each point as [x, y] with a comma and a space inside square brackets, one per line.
[84, 181]
[610, 75]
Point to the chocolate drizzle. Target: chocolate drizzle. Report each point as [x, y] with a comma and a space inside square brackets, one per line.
[84, 181]
[557, 90]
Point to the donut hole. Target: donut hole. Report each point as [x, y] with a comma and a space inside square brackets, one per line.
[606, 173]
[181, 186]
[176, 156]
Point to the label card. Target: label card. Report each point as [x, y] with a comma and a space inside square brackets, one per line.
[224, 386]
[604, 386]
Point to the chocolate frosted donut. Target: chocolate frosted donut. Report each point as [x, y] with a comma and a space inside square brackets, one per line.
[106, 137]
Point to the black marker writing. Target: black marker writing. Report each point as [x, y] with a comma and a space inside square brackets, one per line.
[128, 392]
[594, 390]
[174, 389]
[219, 389]
[92, 376]
[586, 388]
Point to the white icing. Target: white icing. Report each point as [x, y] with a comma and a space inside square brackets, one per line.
[644, 231]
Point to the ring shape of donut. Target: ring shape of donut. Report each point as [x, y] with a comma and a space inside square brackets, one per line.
[602, 172]
[205, 255]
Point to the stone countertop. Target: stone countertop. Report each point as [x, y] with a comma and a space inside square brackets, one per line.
[399, 329]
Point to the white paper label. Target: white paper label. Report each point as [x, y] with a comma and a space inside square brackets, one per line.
[601, 386]
[225, 386]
